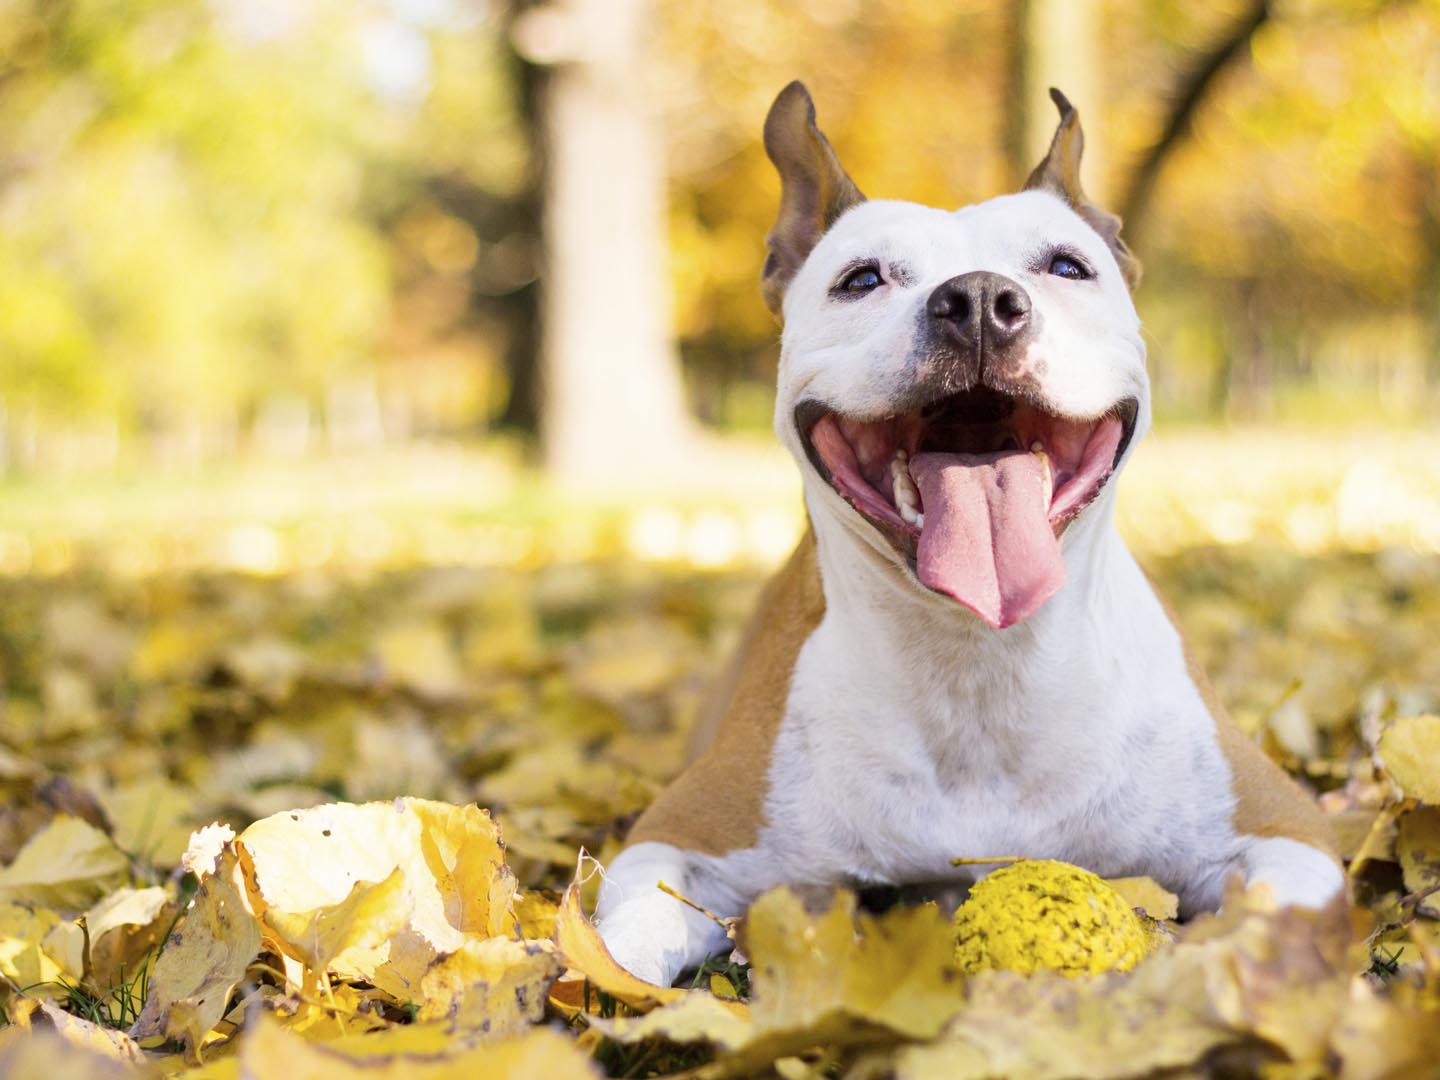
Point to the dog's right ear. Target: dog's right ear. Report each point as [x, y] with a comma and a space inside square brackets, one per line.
[814, 189]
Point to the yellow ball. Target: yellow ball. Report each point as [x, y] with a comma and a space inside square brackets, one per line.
[1046, 915]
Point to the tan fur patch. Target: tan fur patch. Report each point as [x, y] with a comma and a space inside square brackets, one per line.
[718, 803]
[1268, 802]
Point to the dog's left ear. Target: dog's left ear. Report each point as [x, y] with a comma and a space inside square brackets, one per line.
[814, 189]
[1059, 174]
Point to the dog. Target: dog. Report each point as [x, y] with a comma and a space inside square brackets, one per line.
[962, 658]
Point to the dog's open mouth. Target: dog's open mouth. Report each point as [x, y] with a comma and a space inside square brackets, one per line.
[975, 488]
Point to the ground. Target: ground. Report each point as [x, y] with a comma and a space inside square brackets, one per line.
[285, 650]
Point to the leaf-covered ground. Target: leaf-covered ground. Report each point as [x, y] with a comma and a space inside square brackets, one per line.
[207, 871]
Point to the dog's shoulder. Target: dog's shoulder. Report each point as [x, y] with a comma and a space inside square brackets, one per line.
[717, 804]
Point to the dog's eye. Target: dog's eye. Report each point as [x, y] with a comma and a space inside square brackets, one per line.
[860, 280]
[1067, 266]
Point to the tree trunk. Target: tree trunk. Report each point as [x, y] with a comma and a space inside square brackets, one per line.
[613, 405]
[1058, 46]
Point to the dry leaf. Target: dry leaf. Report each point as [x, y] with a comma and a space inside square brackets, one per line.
[1418, 846]
[267, 1051]
[67, 864]
[1410, 749]
[1149, 897]
[352, 938]
[431, 875]
[151, 818]
[203, 962]
[690, 1019]
[37, 1015]
[24, 961]
[29, 1054]
[496, 986]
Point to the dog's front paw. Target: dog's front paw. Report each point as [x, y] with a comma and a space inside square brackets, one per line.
[633, 945]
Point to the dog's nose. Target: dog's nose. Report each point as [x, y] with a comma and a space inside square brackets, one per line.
[981, 309]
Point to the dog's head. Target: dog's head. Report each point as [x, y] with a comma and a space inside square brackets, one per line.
[958, 387]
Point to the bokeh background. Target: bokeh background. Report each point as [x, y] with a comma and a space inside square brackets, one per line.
[284, 282]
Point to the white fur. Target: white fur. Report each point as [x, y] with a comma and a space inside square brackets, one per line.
[914, 733]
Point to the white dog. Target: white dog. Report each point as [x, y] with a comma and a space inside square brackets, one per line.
[962, 658]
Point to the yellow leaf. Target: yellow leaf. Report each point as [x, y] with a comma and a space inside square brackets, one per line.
[25, 1054]
[152, 818]
[351, 938]
[421, 656]
[1410, 749]
[342, 1010]
[1149, 897]
[452, 883]
[462, 848]
[36, 1015]
[121, 928]
[22, 959]
[203, 962]
[835, 973]
[267, 1051]
[1418, 846]
[536, 914]
[693, 1018]
[125, 907]
[67, 864]
[497, 986]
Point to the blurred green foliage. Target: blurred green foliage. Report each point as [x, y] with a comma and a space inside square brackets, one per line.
[206, 206]
[219, 217]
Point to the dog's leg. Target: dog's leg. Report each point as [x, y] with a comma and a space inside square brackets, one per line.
[1295, 872]
[649, 932]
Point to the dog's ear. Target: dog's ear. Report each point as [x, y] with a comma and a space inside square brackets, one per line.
[814, 189]
[1059, 174]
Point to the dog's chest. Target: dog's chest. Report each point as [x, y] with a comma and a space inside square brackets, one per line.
[890, 764]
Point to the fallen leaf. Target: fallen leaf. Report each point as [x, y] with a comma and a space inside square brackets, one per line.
[23, 960]
[496, 986]
[151, 818]
[420, 655]
[268, 1051]
[67, 864]
[1410, 749]
[694, 1018]
[1149, 897]
[26, 1054]
[442, 868]
[536, 913]
[1418, 847]
[120, 930]
[38, 1015]
[203, 962]
[352, 938]
[834, 974]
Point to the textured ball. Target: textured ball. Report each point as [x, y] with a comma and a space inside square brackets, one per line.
[1045, 915]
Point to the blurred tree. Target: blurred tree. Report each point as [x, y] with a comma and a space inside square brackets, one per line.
[613, 407]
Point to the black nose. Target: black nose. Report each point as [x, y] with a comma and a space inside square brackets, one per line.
[981, 309]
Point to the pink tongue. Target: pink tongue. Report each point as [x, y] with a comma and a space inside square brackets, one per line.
[987, 539]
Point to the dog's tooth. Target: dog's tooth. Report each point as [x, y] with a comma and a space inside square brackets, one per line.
[1049, 473]
[907, 495]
